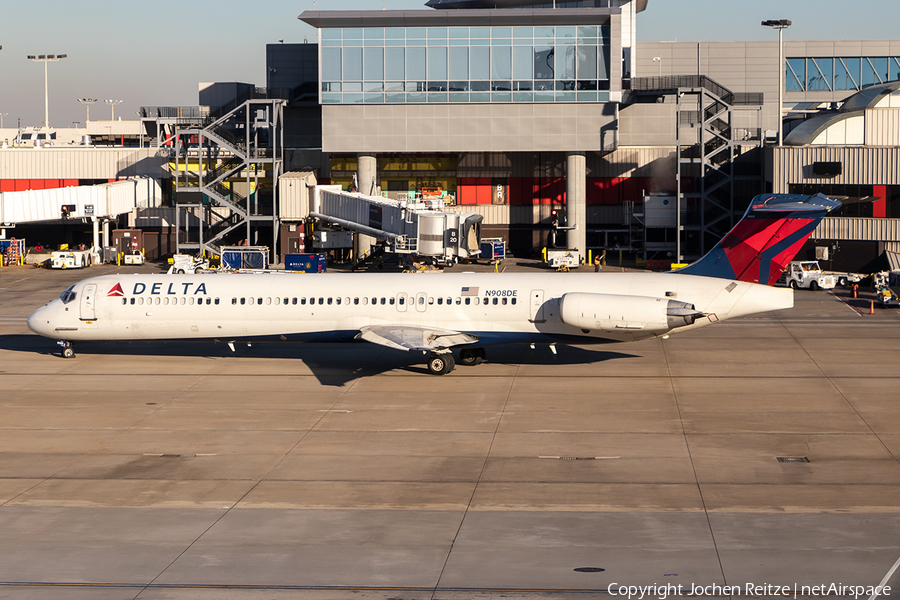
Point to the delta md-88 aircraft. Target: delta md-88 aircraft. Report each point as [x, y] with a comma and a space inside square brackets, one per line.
[436, 313]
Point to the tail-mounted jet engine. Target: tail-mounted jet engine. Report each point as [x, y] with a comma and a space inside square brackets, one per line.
[613, 312]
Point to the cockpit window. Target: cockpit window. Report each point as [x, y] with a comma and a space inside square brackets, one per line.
[68, 295]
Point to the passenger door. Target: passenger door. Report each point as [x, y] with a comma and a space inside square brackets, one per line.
[88, 302]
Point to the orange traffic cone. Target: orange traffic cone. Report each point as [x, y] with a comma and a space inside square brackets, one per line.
[871, 307]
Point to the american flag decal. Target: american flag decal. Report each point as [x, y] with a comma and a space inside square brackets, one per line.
[469, 291]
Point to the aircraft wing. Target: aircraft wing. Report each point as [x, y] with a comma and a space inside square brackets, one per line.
[409, 337]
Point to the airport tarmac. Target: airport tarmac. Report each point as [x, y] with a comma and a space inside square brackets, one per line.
[185, 471]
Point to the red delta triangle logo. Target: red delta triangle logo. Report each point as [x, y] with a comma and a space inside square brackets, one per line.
[116, 291]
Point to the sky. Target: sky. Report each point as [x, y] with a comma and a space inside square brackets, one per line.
[156, 54]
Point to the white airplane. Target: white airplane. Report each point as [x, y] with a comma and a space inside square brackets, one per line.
[438, 312]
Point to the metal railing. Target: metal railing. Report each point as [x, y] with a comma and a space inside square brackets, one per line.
[673, 82]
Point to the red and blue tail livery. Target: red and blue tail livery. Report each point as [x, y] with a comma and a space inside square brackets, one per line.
[760, 246]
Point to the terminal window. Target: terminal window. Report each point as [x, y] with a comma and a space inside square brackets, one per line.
[839, 73]
[465, 64]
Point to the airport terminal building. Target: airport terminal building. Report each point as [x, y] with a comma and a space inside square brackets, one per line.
[525, 108]
[517, 109]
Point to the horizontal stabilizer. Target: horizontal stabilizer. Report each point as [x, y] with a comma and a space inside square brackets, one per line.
[766, 239]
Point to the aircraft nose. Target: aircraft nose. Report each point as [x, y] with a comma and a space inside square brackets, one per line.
[39, 322]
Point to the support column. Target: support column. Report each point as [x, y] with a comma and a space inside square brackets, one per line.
[576, 202]
[96, 238]
[105, 233]
[366, 171]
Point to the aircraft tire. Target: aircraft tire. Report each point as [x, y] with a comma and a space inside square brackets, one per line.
[471, 356]
[441, 364]
[450, 364]
[67, 352]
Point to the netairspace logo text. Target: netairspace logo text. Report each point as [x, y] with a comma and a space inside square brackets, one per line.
[638, 592]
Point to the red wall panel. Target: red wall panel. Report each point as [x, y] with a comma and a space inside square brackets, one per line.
[516, 190]
[879, 207]
[483, 190]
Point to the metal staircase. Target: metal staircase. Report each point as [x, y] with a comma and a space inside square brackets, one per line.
[706, 151]
[222, 160]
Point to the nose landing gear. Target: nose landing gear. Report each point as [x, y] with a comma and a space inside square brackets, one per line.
[67, 351]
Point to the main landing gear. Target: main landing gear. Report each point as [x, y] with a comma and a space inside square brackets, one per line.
[66, 349]
[441, 363]
[471, 356]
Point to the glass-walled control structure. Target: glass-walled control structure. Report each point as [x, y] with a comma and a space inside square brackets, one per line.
[847, 73]
[491, 64]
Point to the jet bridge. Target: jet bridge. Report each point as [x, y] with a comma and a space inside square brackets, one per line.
[95, 203]
[406, 227]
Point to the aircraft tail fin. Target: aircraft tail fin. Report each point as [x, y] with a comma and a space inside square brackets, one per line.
[766, 239]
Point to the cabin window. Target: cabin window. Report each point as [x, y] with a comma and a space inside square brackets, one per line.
[440, 300]
[329, 302]
[383, 301]
[321, 300]
[374, 300]
[430, 300]
[421, 299]
[346, 300]
[476, 301]
[391, 301]
[337, 300]
[513, 301]
[234, 300]
[125, 300]
[243, 300]
[217, 301]
[503, 301]
[356, 301]
[269, 300]
[259, 300]
[302, 301]
[468, 301]
[183, 300]
[458, 300]
[166, 301]
[496, 301]
[365, 301]
[402, 300]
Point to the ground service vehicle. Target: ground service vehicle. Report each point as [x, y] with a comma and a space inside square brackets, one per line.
[884, 295]
[70, 259]
[808, 274]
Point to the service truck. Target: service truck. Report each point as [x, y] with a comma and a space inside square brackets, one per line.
[70, 259]
[808, 274]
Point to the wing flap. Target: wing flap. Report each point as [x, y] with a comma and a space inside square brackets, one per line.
[409, 337]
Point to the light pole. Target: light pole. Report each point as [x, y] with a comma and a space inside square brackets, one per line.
[45, 58]
[780, 25]
[87, 104]
[112, 107]
[658, 59]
